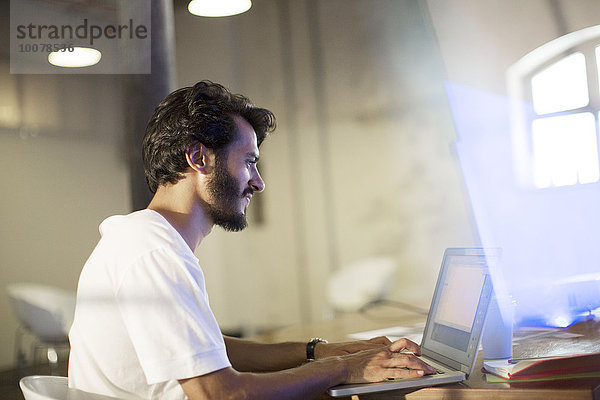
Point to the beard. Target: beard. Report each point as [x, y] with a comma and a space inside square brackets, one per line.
[226, 195]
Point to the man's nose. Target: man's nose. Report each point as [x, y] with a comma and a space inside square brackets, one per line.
[258, 185]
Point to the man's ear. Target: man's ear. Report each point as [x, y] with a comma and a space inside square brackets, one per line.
[199, 158]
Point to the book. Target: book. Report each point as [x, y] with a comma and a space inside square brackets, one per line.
[543, 367]
[491, 378]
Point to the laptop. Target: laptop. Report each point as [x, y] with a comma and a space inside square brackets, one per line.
[454, 323]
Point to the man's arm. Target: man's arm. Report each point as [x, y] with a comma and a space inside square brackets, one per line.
[310, 379]
[299, 383]
[249, 356]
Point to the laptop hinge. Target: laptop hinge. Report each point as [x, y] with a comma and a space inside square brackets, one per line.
[452, 364]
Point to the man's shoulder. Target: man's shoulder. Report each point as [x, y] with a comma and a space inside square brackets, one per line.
[129, 236]
[141, 241]
[139, 225]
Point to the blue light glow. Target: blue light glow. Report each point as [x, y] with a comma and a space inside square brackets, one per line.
[549, 236]
[562, 321]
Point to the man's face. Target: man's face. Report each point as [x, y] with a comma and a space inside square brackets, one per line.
[235, 179]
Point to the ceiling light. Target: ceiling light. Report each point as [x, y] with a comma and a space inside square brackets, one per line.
[218, 8]
[79, 57]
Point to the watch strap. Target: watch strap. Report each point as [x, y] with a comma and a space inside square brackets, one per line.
[310, 347]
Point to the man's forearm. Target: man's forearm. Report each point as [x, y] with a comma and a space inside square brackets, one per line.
[249, 356]
[304, 382]
[307, 380]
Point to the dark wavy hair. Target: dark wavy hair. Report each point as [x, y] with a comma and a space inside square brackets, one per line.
[199, 114]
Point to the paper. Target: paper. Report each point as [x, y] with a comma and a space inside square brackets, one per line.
[393, 333]
[564, 335]
[536, 333]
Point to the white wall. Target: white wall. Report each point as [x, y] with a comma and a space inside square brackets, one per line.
[547, 235]
[395, 181]
[61, 175]
[388, 168]
[479, 40]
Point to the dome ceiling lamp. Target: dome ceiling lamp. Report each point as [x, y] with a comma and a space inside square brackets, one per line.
[75, 57]
[218, 8]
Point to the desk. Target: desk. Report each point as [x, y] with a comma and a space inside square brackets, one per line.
[476, 386]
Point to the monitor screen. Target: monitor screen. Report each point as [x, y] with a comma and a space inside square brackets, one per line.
[459, 305]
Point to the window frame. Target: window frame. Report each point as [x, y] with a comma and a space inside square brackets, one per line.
[522, 113]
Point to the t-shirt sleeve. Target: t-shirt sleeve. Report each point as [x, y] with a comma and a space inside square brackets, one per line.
[163, 302]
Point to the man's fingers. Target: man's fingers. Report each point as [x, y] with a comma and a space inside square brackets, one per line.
[418, 364]
[380, 364]
[380, 340]
[403, 360]
[405, 344]
[403, 373]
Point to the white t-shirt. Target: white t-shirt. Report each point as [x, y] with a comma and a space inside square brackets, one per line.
[142, 319]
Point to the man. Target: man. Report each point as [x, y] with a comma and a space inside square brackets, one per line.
[143, 326]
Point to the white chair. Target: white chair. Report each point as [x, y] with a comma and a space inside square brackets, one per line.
[40, 387]
[362, 283]
[47, 313]
[45, 387]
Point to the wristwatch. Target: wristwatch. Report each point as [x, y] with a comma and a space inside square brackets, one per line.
[310, 347]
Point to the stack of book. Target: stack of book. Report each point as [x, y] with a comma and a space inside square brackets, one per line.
[559, 367]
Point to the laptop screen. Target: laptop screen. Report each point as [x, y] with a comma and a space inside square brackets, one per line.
[459, 305]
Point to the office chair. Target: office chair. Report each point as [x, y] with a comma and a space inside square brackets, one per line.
[361, 284]
[47, 313]
[40, 387]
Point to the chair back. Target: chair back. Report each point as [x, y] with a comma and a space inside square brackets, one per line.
[39, 387]
[45, 310]
[361, 283]
[42, 387]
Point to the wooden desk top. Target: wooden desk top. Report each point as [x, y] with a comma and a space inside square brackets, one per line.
[476, 387]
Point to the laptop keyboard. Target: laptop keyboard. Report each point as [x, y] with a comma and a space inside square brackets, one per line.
[434, 366]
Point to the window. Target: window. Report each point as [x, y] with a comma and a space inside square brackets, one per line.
[556, 110]
[564, 150]
[561, 86]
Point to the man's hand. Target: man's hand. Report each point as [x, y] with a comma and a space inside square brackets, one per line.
[387, 362]
[340, 349]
